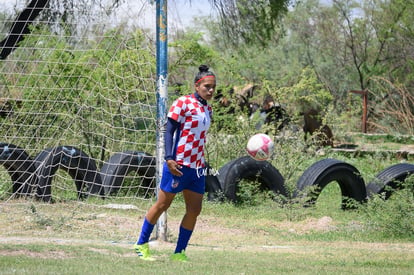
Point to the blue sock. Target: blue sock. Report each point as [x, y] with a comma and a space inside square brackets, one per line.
[183, 238]
[146, 231]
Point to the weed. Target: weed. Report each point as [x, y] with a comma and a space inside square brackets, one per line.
[251, 193]
[40, 219]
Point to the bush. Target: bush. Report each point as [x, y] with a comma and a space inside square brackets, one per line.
[394, 217]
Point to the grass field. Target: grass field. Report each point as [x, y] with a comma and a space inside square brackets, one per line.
[90, 238]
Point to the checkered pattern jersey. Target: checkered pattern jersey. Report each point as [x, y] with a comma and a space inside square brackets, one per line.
[194, 119]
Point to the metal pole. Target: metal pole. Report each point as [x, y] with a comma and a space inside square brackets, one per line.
[162, 97]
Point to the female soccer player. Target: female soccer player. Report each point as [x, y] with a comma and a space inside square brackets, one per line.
[188, 121]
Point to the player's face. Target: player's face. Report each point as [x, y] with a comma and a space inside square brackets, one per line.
[206, 88]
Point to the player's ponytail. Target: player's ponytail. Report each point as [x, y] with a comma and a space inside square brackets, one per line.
[203, 73]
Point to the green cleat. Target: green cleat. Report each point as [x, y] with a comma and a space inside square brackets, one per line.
[179, 257]
[143, 252]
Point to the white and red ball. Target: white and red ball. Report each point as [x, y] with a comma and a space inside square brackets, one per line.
[260, 147]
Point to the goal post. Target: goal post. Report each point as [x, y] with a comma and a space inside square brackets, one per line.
[162, 97]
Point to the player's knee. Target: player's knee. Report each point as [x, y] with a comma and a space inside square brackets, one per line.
[161, 207]
[194, 211]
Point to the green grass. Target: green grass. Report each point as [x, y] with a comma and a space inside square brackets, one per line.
[303, 258]
[383, 138]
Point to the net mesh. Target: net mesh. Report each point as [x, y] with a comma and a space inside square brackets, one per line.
[77, 100]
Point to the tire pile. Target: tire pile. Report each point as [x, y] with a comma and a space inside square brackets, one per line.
[33, 176]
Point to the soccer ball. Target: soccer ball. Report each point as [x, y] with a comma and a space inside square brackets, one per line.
[260, 147]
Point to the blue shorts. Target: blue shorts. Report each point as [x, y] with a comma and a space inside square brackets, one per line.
[192, 179]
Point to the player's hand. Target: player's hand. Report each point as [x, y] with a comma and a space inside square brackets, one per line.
[174, 168]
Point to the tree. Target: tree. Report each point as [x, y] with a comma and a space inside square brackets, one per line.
[67, 10]
[350, 41]
[20, 26]
[250, 21]
[187, 52]
[243, 20]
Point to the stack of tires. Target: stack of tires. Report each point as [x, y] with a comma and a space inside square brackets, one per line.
[34, 176]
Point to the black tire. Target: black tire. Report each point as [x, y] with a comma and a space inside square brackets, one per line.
[321, 173]
[247, 168]
[213, 187]
[120, 164]
[389, 179]
[222, 173]
[79, 166]
[20, 167]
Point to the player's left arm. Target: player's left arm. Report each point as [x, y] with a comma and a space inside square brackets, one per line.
[173, 166]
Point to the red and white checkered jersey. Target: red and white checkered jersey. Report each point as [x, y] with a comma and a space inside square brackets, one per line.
[194, 119]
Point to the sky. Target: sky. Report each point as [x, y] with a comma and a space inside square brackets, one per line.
[180, 12]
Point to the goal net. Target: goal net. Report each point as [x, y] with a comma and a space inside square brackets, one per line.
[77, 100]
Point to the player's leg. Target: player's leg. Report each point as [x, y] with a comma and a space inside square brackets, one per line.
[163, 202]
[193, 202]
[193, 205]
[165, 197]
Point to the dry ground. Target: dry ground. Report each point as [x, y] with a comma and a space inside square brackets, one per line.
[80, 224]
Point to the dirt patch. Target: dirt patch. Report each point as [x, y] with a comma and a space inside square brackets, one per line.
[407, 148]
[35, 254]
[323, 224]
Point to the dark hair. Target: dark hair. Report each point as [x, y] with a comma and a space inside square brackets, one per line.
[203, 72]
